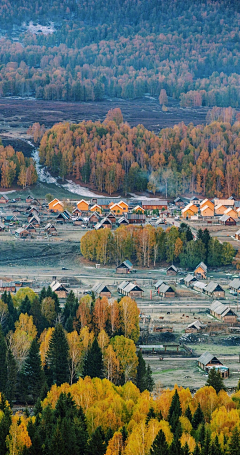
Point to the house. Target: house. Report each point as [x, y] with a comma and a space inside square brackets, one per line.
[135, 218]
[208, 361]
[104, 223]
[8, 286]
[83, 205]
[138, 209]
[9, 218]
[195, 200]
[68, 214]
[55, 205]
[158, 284]
[223, 312]
[59, 289]
[235, 285]
[50, 229]
[194, 327]
[61, 218]
[79, 221]
[117, 209]
[154, 204]
[32, 210]
[101, 290]
[21, 233]
[166, 291]
[201, 271]
[227, 220]
[31, 228]
[96, 208]
[199, 286]
[215, 290]
[226, 202]
[231, 212]
[179, 202]
[208, 203]
[124, 267]
[77, 212]
[237, 235]
[94, 218]
[220, 209]
[172, 270]
[112, 217]
[34, 220]
[124, 206]
[189, 280]
[4, 199]
[189, 210]
[207, 211]
[122, 221]
[29, 199]
[130, 289]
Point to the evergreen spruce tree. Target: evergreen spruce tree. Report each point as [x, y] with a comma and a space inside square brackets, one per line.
[150, 415]
[198, 417]
[149, 379]
[43, 294]
[175, 411]
[96, 443]
[93, 363]
[141, 372]
[234, 445]
[69, 311]
[188, 414]
[25, 306]
[201, 434]
[38, 319]
[206, 445]
[160, 445]
[185, 450]
[215, 380]
[3, 363]
[57, 367]
[124, 434]
[5, 423]
[197, 450]
[33, 374]
[11, 377]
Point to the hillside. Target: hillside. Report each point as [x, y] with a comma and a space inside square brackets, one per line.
[112, 156]
[98, 49]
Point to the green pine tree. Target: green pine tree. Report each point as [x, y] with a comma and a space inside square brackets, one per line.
[175, 411]
[188, 414]
[25, 306]
[198, 417]
[57, 366]
[33, 374]
[215, 380]
[234, 445]
[5, 423]
[160, 445]
[197, 450]
[11, 377]
[93, 363]
[96, 443]
[3, 363]
[141, 372]
[206, 445]
[185, 450]
[149, 379]
[150, 415]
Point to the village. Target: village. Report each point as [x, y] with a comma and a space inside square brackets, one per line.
[189, 321]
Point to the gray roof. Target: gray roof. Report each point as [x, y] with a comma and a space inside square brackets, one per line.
[99, 287]
[237, 204]
[20, 230]
[136, 216]
[123, 284]
[196, 324]
[154, 202]
[55, 286]
[122, 219]
[165, 287]
[173, 267]
[235, 284]
[35, 217]
[49, 226]
[211, 286]
[128, 263]
[206, 358]
[6, 284]
[158, 284]
[200, 285]
[4, 197]
[203, 266]
[225, 218]
[131, 286]
[190, 278]
[238, 232]
[218, 307]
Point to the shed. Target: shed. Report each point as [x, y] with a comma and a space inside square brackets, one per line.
[166, 291]
[172, 270]
[21, 233]
[3, 199]
[59, 289]
[102, 290]
[201, 271]
[50, 229]
[215, 290]
[208, 361]
[199, 286]
[194, 327]
[158, 284]
[189, 280]
[235, 285]
[223, 312]
[227, 220]
[124, 267]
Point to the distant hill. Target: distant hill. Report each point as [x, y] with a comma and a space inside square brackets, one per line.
[109, 48]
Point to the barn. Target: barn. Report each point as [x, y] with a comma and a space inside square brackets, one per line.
[215, 290]
[172, 270]
[223, 312]
[59, 289]
[227, 220]
[166, 291]
[130, 289]
[101, 290]
[208, 361]
[124, 267]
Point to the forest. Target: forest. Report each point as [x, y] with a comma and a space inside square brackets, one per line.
[91, 392]
[149, 246]
[123, 49]
[112, 156]
[15, 168]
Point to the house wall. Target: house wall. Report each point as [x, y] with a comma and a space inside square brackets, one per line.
[135, 294]
[105, 294]
[117, 210]
[124, 206]
[207, 212]
[171, 273]
[3, 201]
[200, 271]
[230, 319]
[58, 208]
[83, 205]
[220, 210]
[188, 213]
[168, 294]
[61, 294]
[153, 207]
[122, 270]
[219, 294]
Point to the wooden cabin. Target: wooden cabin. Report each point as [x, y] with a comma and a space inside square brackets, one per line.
[8, 286]
[124, 267]
[231, 212]
[94, 218]
[22, 233]
[102, 290]
[215, 290]
[61, 218]
[77, 212]
[50, 229]
[194, 327]
[4, 199]
[57, 207]
[208, 203]
[83, 205]
[189, 280]
[35, 220]
[235, 285]
[130, 289]
[172, 270]
[117, 209]
[124, 206]
[96, 208]
[154, 204]
[223, 312]
[208, 361]
[220, 209]
[207, 211]
[59, 289]
[237, 235]
[189, 211]
[29, 199]
[227, 220]
[166, 291]
[201, 271]
[136, 218]
[122, 221]
[138, 209]
[31, 228]
[104, 223]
